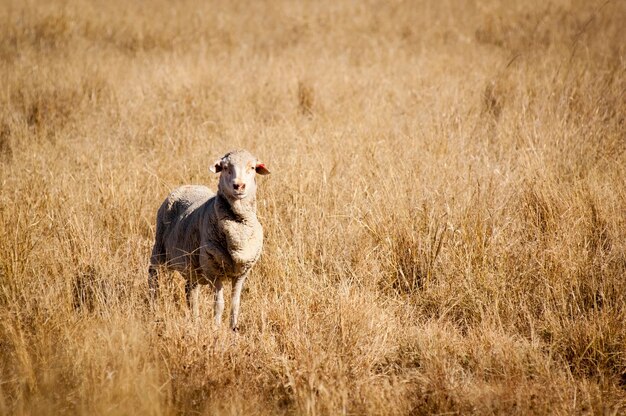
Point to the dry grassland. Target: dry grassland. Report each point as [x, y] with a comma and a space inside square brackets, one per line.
[445, 222]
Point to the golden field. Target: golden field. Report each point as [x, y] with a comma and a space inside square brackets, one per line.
[445, 221]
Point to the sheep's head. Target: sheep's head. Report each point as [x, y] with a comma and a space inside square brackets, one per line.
[238, 173]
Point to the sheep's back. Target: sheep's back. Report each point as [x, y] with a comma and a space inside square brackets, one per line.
[185, 197]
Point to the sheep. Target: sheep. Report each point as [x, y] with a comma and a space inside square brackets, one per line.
[209, 237]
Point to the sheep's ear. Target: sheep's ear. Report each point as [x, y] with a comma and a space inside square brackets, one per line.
[216, 167]
[261, 169]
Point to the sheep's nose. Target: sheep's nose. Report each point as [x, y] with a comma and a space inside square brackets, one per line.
[239, 186]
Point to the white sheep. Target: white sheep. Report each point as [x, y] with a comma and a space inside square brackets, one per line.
[210, 237]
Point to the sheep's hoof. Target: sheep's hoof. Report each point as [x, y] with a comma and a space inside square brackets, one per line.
[236, 329]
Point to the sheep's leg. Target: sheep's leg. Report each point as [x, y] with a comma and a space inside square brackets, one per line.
[153, 283]
[218, 307]
[192, 290]
[156, 258]
[234, 307]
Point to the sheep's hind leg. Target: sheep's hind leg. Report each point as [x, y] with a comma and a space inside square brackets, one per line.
[153, 283]
[192, 291]
[236, 297]
[157, 258]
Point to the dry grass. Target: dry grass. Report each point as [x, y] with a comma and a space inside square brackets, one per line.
[445, 222]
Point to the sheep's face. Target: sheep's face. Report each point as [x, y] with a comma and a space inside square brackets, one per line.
[238, 173]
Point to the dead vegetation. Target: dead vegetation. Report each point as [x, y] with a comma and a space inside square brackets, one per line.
[445, 227]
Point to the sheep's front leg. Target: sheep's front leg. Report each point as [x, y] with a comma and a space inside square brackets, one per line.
[218, 307]
[192, 290]
[234, 307]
